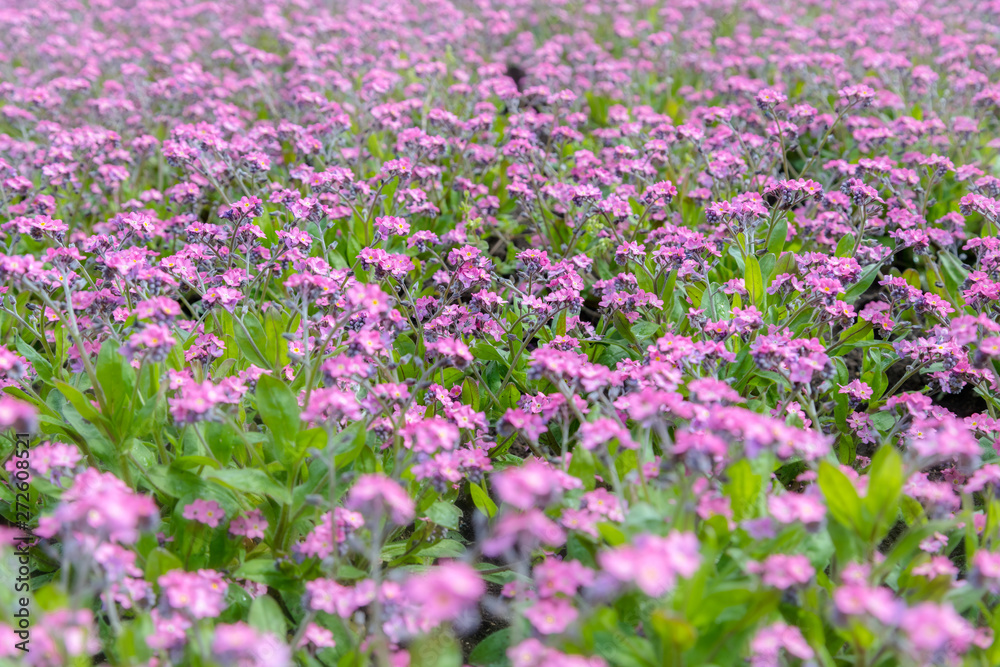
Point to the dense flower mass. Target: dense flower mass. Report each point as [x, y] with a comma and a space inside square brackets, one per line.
[564, 333]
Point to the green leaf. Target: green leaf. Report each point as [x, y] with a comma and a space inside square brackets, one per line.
[954, 273]
[509, 397]
[38, 362]
[885, 488]
[676, 633]
[753, 280]
[174, 482]
[79, 401]
[264, 571]
[624, 327]
[194, 461]
[767, 263]
[912, 278]
[867, 278]
[116, 375]
[492, 651]
[160, 561]
[313, 438]
[845, 247]
[222, 439]
[274, 347]
[849, 336]
[883, 421]
[778, 236]
[583, 467]
[266, 616]
[611, 533]
[249, 481]
[485, 350]
[255, 568]
[437, 649]
[442, 549]
[257, 340]
[715, 303]
[743, 489]
[645, 329]
[482, 500]
[444, 514]
[842, 499]
[278, 408]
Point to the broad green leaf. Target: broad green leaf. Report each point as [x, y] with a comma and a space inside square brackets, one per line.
[482, 501]
[842, 499]
[82, 404]
[442, 549]
[867, 278]
[885, 487]
[222, 439]
[492, 650]
[743, 489]
[624, 327]
[583, 467]
[753, 280]
[278, 408]
[645, 329]
[249, 480]
[676, 633]
[254, 343]
[160, 561]
[611, 533]
[436, 649]
[444, 514]
[38, 362]
[954, 273]
[845, 247]
[779, 234]
[266, 616]
[194, 461]
[485, 350]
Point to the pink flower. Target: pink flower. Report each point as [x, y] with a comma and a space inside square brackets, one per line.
[243, 645]
[653, 563]
[445, 592]
[99, 506]
[791, 507]
[767, 644]
[931, 627]
[523, 532]
[551, 615]
[534, 484]
[554, 576]
[168, 631]
[317, 636]
[251, 525]
[329, 596]
[784, 571]
[17, 415]
[207, 512]
[603, 430]
[198, 594]
[858, 599]
[382, 494]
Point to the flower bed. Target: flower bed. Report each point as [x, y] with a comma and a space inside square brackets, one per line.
[499, 333]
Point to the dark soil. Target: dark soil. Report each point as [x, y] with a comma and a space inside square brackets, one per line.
[489, 622]
[962, 404]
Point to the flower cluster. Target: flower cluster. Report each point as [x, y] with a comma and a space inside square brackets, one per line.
[531, 333]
